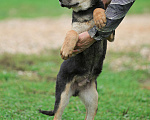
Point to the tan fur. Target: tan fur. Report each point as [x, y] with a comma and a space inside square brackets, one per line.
[89, 96]
[99, 17]
[111, 38]
[77, 28]
[106, 3]
[69, 44]
[84, 5]
[65, 96]
[82, 27]
[100, 21]
[83, 86]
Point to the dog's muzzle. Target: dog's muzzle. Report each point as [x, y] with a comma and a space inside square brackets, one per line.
[69, 6]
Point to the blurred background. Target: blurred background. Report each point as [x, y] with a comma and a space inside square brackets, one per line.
[31, 34]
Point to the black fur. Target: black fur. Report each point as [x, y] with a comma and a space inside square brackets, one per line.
[50, 113]
[87, 15]
[88, 63]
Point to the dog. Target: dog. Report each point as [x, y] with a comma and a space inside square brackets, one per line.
[78, 74]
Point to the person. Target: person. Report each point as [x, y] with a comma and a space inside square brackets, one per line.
[115, 13]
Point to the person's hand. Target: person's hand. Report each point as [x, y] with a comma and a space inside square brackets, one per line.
[84, 42]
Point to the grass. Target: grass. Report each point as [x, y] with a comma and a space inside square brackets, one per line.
[50, 8]
[27, 83]
[30, 8]
[140, 7]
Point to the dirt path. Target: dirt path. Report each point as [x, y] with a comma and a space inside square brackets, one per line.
[35, 35]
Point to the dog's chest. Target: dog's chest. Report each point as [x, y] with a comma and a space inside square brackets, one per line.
[83, 20]
[80, 27]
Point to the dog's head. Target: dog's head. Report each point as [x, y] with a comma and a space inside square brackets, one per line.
[76, 5]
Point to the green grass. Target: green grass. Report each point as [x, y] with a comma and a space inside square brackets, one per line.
[140, 6]
[30, 8]
[27, 83]
[50, 8]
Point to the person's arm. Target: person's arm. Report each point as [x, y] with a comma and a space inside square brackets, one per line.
[115, 12]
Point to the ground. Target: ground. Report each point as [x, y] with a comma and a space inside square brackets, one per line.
[35, 35]
[27, 77]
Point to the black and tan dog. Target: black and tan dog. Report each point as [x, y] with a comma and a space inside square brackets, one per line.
[77, 75]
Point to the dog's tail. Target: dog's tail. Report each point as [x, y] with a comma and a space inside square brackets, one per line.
[60, 87]
[50, 113]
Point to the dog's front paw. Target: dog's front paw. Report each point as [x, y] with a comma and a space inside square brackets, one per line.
[66, 52]
[99, 17]
[69, 44]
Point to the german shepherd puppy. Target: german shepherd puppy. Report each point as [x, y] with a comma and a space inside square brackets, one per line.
[77, 75]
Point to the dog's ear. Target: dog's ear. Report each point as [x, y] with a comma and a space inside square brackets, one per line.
[106, 3]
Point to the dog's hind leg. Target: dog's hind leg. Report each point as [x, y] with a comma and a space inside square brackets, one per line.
[63, 102]
[62, 95]
[89, 96]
